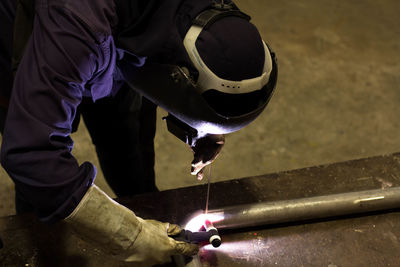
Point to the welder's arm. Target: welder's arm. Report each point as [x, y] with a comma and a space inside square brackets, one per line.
[205, 150]
[116, 229]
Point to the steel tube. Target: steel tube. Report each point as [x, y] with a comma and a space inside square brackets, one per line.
[275, 212]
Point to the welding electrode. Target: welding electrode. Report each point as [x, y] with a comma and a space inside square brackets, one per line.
[215, 239]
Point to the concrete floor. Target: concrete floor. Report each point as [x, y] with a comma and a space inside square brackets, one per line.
[337, 97]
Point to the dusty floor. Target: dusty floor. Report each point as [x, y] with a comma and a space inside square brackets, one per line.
[337, 98]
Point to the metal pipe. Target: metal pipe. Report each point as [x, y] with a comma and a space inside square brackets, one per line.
[301, 209]
[265, 213]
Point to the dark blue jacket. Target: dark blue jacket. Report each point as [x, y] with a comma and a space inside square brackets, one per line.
[72, 54]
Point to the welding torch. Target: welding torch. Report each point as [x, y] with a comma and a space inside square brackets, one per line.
[210, 235]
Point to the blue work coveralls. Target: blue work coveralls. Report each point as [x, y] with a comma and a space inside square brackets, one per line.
[70, 67]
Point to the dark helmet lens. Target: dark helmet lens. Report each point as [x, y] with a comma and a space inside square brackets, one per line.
[233, 105]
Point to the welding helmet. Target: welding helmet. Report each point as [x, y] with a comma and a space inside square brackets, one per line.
[205, 102]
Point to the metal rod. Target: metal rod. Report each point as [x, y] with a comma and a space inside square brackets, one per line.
[265, 213]
[275, 212]
[208, 187]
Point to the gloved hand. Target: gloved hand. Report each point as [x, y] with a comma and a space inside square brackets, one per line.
[153, 244]
[205, 150]
[119, 232]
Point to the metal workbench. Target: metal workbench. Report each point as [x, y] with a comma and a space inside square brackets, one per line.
[370, 239]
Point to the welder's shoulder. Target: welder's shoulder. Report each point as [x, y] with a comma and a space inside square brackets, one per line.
[74, 38]
[98, 16]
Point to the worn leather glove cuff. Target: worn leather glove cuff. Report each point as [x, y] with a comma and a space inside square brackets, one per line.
[117, 231]
[99, 219]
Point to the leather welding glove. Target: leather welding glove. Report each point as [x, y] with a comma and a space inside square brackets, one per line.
[205, 150]
[119, 232]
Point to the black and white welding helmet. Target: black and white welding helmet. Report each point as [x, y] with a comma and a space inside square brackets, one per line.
[204, 103]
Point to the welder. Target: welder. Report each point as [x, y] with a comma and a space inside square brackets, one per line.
[112, 62]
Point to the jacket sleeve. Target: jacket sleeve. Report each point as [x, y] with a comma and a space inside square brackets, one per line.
[61, 59]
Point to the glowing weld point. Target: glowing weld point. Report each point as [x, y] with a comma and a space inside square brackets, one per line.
[208, 247]
[195, 223]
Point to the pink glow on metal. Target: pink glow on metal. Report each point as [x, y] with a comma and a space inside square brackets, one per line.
[251, 252]
[198, 220]
[229, 247]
